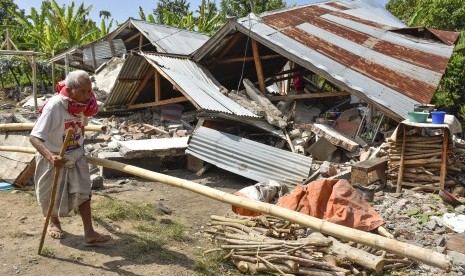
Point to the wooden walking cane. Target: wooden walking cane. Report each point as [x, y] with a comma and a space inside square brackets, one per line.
[69, 132]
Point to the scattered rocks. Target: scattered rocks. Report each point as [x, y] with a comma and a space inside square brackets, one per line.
[96, 182]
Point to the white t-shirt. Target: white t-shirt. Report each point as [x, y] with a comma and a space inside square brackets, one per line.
[52, 124]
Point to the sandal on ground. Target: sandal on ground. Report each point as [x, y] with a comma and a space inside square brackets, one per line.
[101, 239]
[55, 233]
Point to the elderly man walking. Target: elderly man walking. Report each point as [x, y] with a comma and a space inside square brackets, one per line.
[69, 108]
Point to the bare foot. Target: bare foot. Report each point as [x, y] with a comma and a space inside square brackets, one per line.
[95, 238]
[54, 229]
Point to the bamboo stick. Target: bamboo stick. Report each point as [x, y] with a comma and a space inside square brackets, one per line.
[410, 251]
[419, 139]
[252, 267]
[239, 221]
[28, 126]
[53, 193]
[416, 156]
[307, 262]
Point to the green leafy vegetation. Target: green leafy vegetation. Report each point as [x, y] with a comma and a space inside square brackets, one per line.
[446, 15]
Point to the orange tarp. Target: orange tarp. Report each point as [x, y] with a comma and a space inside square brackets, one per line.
[334, 200]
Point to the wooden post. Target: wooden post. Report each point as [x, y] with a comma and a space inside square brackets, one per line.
[445, 143]
[66, 64]
[141, 86]
[157, 86]
[402, 159]
[258, 66]
[141, 38]
[53, 75]
[34, 82]
[7, 39]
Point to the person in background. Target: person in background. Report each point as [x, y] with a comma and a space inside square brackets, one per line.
[69, 108]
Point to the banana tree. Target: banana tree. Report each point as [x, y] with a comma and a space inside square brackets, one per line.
[209, 19]
[72, 24]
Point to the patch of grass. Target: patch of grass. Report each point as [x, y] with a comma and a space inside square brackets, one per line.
[138, 246]
[165, 230]
[148, 234]
[211, 264]
[48, 252]
[118, 210]
[75, 258]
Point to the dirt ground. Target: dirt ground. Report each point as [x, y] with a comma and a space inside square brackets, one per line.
[22, 224]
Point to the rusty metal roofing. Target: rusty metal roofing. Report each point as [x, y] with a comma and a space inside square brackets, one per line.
[169, 39]
[193, 80]
[357, 45]
[248, 158]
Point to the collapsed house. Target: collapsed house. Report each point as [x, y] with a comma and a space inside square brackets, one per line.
[264, 73]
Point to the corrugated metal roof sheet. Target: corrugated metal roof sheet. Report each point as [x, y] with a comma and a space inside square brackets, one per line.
[194, 81]
[103, 52]
[357, 45]
[131, 74]
[248, 158]
[169, 39]
[197, 84]
[351, 42]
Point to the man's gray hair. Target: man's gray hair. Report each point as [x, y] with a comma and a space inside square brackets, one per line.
[76, 79]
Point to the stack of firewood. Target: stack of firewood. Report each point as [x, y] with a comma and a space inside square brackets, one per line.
[422, 162]
[267, 244]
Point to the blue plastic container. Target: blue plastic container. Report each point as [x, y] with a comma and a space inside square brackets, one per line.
[438, 117]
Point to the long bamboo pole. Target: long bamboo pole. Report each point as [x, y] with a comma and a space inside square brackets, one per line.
[410, 251]
[29, 126]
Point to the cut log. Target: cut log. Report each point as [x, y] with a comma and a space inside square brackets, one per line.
[357, 256]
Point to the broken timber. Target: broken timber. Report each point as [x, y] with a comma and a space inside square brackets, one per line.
[272, 114]
[334, 137]
[410, 251]
[309, 96]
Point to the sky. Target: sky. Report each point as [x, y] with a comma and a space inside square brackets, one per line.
[121, 10]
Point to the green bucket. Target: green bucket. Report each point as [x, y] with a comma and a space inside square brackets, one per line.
[418, 117]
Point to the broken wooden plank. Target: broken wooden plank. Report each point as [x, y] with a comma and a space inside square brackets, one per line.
[334, 137]
[310, 96]
[168, 101]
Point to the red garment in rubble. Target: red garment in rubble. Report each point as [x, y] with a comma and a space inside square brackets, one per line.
[334, 200]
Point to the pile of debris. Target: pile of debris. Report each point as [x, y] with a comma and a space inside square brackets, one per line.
[268, 244]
